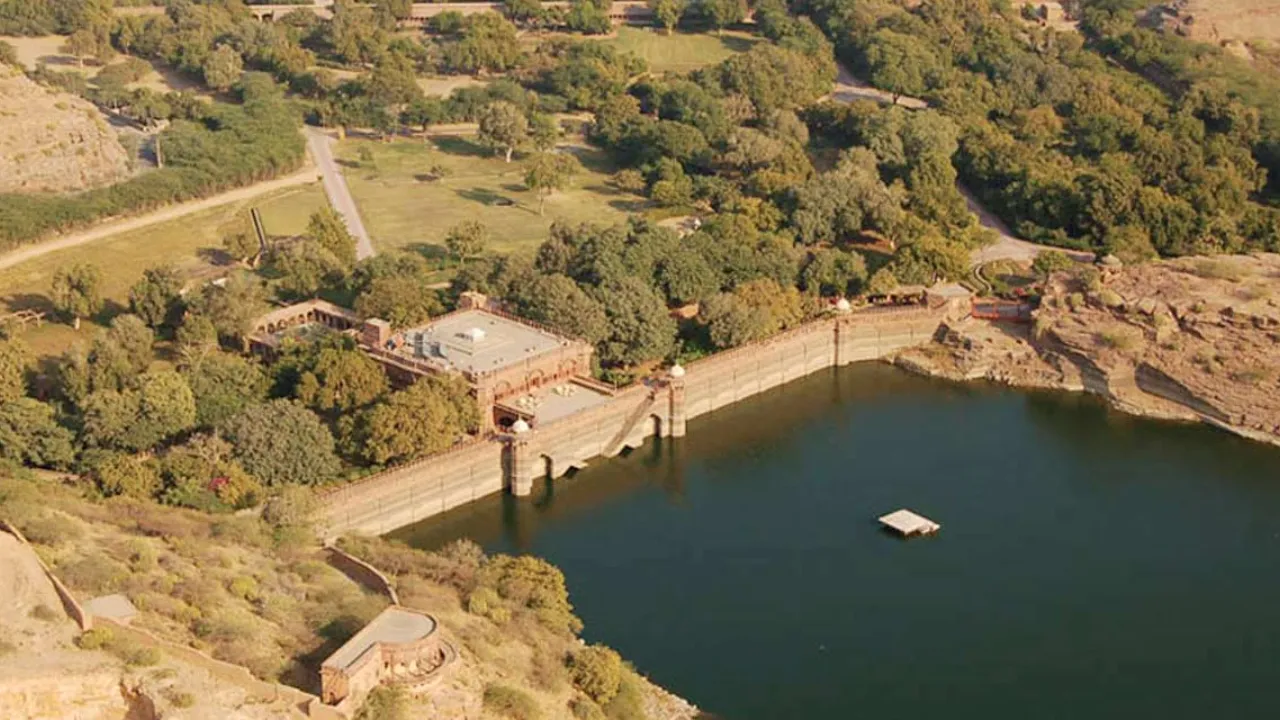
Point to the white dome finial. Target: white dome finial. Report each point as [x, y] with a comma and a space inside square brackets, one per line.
[842, 305]
[519, 426]
[676, 371]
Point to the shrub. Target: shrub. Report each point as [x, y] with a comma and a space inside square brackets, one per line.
[7, 647]
[244, 587]
[95, 639]
[94, 574]
[584, 709]
[1217, 269]
[596, 671]
[628, 704]
[51, 529]
[181, 699]
[384, 703]
[45, 613]
[509, 702]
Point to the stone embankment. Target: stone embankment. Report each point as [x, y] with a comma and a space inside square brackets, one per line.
[1194, 339]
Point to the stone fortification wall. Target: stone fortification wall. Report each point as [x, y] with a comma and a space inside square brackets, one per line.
[404, 495]
[361, 572]
[411, 493]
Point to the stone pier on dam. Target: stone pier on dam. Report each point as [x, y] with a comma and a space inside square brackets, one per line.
[542, 414]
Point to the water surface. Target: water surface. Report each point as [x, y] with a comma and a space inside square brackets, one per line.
[1090, 565]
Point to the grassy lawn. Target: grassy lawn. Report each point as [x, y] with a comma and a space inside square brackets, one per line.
[403, 208]
[191, 243]
[680, 52]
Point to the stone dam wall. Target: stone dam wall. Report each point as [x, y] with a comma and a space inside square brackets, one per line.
[656, 407]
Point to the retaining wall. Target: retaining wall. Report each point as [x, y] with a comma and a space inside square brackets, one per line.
[69, 603]
[405, 495]
[362, 573]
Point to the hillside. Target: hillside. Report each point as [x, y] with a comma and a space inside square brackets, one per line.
[1190, 339]
[52, 141]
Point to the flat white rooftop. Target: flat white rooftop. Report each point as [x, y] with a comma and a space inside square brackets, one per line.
[552, 403]
[908, 523]
[477, 341]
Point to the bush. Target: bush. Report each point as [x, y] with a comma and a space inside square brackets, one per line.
[45, 613]
[95, 639]
[628, 704]
[509, 702]
[51, 529]
[181, 699]
[596, 671]
[384, 703]
[584, 709]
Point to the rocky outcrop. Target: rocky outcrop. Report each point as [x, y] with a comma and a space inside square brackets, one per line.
[52, 141]
[1188, 339]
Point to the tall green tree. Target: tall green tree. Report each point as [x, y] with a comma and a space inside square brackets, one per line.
[640, 327]
[15, 360]
[341, 380]
[223, 385]
[504, 128]
[328, 230]
[547, 172]
[156, 296]
[76, 291]
[222, 68]
[901, 64]
[467, 239]
[30, 435]
[428, 416]
[282, 443]
[668, 12]
[137, 420]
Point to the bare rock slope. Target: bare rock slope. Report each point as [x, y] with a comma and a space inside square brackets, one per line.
[1194, 339]
[52, 141]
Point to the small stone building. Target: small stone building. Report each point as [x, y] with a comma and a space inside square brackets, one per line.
[399, 647]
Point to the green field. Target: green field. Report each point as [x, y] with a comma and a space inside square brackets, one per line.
[403, 208]
[679, 52]
[191, 243]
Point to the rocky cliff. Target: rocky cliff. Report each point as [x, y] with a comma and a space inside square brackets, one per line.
[52, 141]
[1192, 339]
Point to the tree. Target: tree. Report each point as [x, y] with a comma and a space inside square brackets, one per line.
[137, 420]
[640, 328]
[544, 131]
[730, 322]
[157, 295]
[467, 239]
[1051, 261]
[282, 443]
[127, 475]
[305, 268]
[428, 416]
[686, 276]
[1130, 243]
[399, 299]
[8, 54]
[668, 12]
[548, 172]
[15, 359]
[882, 282]
[76, 291]
[596, 670]
[902, 64]
[30, 435]
[522, 12]
[560, 303]
[81, 44]
[222, 68]
[834, 272]
[242, 247]
[134, 340]
[342, 380]
[504, 128]
[233, 306]
[328, 230]
[724, 12]
[930, 259]
[222, 385]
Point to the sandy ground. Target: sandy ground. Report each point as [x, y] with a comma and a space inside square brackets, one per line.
[1220, 20]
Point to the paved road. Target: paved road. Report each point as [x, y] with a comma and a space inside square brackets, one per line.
[336, 188]
[98, 232]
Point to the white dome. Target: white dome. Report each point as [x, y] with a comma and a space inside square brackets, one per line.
[843, 305]
[676, 371]
[520, 426]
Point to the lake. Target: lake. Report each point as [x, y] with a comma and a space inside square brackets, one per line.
[1090, 564]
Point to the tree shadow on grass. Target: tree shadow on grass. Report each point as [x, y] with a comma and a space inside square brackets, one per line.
[454, 145]
[436, 254]
[630, 206]
[215, 256]
[737, 43]
[110, 310]
[28, 301]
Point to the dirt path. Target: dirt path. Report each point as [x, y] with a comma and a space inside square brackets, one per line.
[23, 254]
[335, 186]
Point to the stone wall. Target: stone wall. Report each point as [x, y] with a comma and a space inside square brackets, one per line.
[404, 495]
[362, 573]
[408, 494]
[69, 603]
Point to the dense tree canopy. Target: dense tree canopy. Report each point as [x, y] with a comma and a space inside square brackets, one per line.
[282, 443]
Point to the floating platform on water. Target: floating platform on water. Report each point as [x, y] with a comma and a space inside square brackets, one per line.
[908, 524]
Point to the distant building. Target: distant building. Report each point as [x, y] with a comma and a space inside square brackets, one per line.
[399, 647]
[502, 357]
[303, 320]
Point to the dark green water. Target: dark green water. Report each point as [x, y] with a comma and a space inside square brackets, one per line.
[1090, 565]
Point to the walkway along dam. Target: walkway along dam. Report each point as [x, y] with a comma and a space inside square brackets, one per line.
[657, 406]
